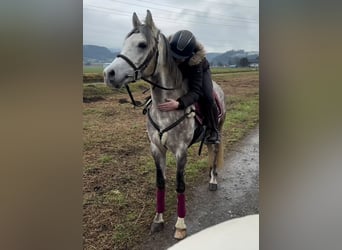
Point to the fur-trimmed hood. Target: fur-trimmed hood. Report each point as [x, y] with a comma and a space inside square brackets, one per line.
[199, 55]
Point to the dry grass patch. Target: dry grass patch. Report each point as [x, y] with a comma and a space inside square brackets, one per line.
[119, 174]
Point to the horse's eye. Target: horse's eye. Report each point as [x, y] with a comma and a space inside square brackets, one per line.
[142, 45]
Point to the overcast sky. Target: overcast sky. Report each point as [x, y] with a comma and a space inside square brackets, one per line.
[220, 25]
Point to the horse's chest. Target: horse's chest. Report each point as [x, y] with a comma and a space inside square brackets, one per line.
[169, 133]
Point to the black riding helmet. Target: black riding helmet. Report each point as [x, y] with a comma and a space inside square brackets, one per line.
[183, 44]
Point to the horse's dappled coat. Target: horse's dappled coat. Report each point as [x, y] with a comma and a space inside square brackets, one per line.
[146, 55]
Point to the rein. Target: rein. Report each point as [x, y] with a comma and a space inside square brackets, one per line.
[156, 85]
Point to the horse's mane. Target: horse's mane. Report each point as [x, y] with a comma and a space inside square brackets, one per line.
[171, 64]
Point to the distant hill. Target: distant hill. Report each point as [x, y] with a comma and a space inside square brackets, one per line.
[233, 57]
[211, 56]
[97, 54]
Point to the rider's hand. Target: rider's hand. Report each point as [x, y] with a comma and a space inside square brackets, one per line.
[168, 105]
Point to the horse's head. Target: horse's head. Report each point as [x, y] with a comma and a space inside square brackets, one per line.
[138, 57]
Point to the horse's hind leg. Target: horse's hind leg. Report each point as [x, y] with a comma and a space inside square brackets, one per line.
[160, 162]
[213, 154]
[180, 226]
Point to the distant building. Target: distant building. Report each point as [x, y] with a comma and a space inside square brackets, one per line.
[254, 65]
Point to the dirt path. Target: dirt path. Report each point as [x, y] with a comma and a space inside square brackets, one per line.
[237, 194]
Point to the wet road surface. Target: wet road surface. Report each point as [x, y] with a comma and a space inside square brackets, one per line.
[237, 194]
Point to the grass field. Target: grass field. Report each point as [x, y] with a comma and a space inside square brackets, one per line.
[93, 69]
[119, 174]
[99, 69]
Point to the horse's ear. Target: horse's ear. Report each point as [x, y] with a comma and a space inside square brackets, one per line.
[135, 20]
[149, 21]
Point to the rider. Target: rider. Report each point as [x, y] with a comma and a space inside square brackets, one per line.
[190, 57]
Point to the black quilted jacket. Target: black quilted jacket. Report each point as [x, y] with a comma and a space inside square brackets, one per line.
[195, 75]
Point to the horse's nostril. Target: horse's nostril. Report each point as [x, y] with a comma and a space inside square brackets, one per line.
[111, 73]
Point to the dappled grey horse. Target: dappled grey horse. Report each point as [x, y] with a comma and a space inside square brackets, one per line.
[146, 55]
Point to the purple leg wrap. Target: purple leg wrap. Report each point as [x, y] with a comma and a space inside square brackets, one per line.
[181, 205]
[160, 200]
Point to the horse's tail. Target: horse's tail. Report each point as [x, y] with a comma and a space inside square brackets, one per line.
[220, 153]
[216, 156]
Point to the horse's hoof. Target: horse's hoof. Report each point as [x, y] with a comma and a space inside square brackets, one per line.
[157, 227]
[180, 234]
[212, 186]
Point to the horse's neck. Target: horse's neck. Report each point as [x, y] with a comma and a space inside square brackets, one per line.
[167, 79]
[159, 95]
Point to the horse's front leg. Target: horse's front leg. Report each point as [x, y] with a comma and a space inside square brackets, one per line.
[159, 157]
[180, 226]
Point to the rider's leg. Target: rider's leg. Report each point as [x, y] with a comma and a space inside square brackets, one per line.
[210, 110]
[212, 117]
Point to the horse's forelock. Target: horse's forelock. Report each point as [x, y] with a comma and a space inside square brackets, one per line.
[147, 32]
[133, 31]
[150, 40]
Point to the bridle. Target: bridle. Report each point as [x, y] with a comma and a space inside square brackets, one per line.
[138, 70]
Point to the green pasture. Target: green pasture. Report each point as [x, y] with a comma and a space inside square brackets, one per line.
[98, 69]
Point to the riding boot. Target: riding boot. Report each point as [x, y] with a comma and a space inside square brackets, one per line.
[213, 132]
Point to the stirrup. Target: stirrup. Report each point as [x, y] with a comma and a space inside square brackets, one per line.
[212, 138]
[212, 141]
